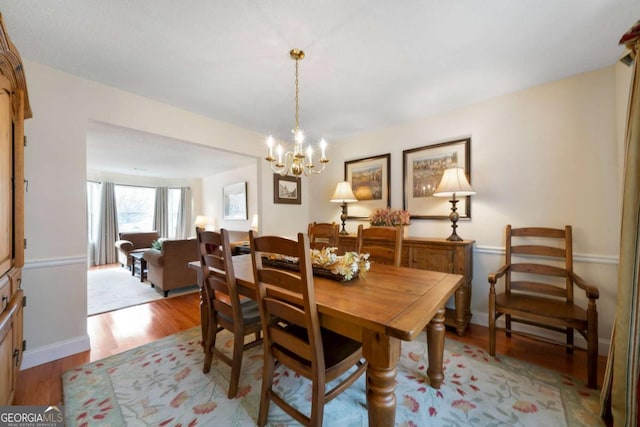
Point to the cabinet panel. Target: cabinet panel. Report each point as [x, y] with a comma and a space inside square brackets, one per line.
[6, 175]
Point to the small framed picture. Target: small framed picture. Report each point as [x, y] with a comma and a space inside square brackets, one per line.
[369, 179]
[234, 198]
[422, 171]
[286, 190]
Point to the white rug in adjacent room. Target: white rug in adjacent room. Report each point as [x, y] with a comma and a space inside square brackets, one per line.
[114, 288]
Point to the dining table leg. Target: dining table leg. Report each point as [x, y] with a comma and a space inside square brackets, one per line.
[435, 346]
[382, 353]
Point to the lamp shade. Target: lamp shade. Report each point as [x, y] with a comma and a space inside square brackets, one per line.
[254, 223]
[201, 221]
[343, 193]
[454, 182]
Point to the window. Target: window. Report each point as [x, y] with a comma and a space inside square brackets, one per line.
[173, 209]
[135, 206]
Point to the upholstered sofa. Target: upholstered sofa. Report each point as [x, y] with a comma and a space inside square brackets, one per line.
[168, 269]
[239, 241]
[133, 241]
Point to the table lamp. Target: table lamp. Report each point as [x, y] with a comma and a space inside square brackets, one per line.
[343, 194]
[201, 222]
[454, 183]
[254, 223]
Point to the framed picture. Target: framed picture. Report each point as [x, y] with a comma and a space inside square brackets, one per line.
[422, 171]
[286, 189]
[234, 197]
[369, 179]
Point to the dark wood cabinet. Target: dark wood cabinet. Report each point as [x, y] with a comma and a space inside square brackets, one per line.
[14, 108]
[438, 255]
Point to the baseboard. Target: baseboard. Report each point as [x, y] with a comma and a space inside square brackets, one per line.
[56, 351]
[482, 319]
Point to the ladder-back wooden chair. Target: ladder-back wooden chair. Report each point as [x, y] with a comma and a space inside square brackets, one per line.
[538, 290]
[383, 244]
[292, 333]
[223, 307]
[323, 235]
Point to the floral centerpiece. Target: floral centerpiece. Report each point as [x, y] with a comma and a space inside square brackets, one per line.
[326, 263]
[389, 217]
[347, 266]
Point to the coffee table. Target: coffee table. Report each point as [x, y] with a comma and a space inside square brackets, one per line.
[138, 265]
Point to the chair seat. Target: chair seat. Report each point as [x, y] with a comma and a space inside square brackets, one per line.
[336, 347]
[250, 312]
[539, 307]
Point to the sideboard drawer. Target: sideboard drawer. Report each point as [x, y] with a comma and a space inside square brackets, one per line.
[5, 292]
[435, 259]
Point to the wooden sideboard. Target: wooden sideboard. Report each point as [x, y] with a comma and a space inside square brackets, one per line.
[14, 108]
[437, 255]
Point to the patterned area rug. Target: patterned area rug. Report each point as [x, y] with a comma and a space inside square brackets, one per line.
[162, 384]
[110, 289]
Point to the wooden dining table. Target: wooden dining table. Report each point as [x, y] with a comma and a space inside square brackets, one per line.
[389, 305]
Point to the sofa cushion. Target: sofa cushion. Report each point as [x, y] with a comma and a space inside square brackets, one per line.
[140, 240]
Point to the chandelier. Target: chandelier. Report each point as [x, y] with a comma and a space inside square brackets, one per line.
[296, 162]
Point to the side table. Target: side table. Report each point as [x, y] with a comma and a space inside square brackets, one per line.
[138, 265]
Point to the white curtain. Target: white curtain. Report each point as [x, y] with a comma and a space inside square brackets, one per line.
[161, 214]
[184, 213]
[620, 396]
[107, 226]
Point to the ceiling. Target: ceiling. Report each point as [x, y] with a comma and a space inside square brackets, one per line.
[130, 152]
[370, 63]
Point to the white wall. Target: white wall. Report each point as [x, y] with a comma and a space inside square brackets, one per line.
[212, 199]
[548, 155]
[545, 156]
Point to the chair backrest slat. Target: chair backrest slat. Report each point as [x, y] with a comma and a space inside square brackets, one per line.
[538, 288]
[538, 250]
[543, 269]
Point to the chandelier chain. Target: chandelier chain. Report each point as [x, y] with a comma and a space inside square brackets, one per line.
[297, 106]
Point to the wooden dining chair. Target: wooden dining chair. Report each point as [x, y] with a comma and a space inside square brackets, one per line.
[539, 282]
[292, 333]
[383, 244]
[323, 235]
[224, 309]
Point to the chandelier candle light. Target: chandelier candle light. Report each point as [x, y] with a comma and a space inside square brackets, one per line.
[454, 182]
[296, 162]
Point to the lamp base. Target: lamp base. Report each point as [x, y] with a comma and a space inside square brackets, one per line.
[454, 238]
[453, 216]
[343, 218]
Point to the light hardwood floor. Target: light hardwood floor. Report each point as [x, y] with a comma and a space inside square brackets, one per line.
[121, 330]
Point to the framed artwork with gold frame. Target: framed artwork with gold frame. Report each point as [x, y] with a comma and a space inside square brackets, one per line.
[370, 181]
